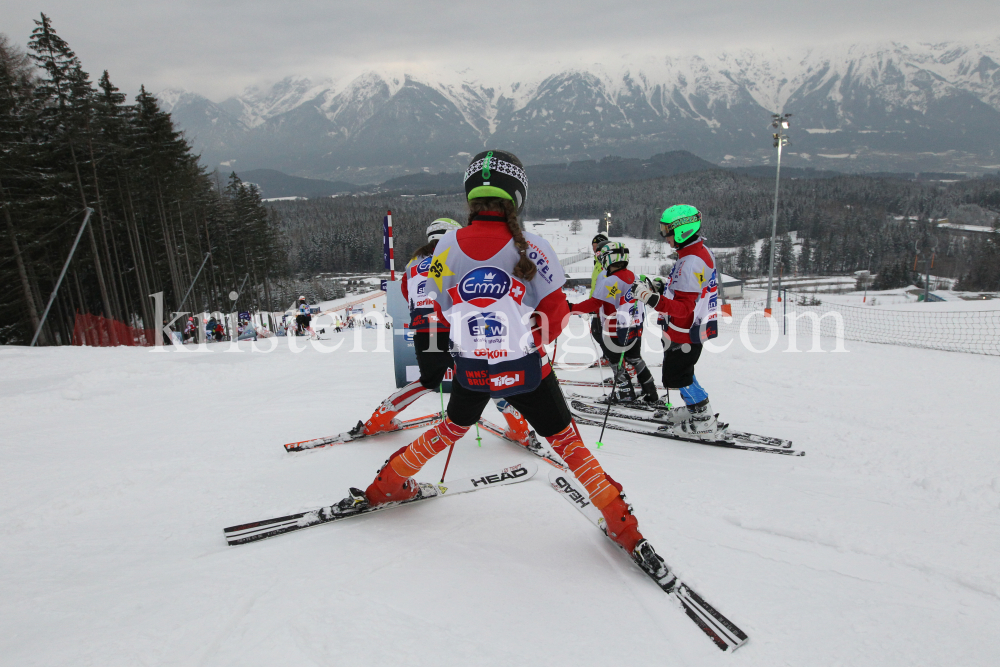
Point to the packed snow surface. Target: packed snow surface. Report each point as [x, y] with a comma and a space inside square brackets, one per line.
[120, 467]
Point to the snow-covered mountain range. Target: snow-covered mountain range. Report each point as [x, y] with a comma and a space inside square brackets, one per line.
[894, 107]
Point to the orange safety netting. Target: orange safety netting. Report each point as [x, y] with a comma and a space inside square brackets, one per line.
[98, 331]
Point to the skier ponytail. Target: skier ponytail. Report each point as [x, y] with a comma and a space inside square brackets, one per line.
[525, 268]
[425, 250]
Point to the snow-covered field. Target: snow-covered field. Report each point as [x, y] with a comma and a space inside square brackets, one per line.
[120, 468]
[568, 244]
[902, 299]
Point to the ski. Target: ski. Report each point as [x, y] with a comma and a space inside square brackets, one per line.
[583, 383]
[588, 406]
[750, 438]
[722, 631]
[565, 366]
[259, 530]
[357, 433]
[534, 445]
[581, 412]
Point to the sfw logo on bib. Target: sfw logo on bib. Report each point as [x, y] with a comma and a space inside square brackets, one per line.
[484, 286]
[489, 325]
[508, 379]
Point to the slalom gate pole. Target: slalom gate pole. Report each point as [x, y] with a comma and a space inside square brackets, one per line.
[600, 442]
[392, 255]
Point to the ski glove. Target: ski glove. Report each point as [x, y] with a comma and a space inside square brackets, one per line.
[643, 292]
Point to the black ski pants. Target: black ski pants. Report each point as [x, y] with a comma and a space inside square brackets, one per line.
[433, 363]
[544, 407]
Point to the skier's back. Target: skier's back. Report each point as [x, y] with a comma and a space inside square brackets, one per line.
[431, 342]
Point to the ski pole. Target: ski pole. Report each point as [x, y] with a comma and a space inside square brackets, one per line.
[479, 439]
[600, 357]
[608, 411]
[447, 461]
[452, 448]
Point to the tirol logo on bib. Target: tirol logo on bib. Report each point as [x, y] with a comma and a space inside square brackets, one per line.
[484, 286]
[508, 379]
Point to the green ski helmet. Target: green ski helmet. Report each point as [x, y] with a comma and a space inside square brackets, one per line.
[612, 253]
[682, 220]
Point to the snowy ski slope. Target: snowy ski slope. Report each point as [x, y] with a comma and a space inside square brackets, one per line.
[120, 468]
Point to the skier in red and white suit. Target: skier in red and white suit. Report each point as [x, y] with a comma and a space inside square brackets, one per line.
[431, 343]
[622, 320]
[501, 290]
[689, 300]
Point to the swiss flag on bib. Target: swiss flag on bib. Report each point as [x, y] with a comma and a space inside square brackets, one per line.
[516, 290]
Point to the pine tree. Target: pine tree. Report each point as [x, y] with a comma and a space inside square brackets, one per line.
[66, 95]
[18, 168]
[805, 257]
[764, 257]
[785, 254]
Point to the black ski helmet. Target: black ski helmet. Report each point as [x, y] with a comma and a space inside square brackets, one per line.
[497, 174]
[600, 239]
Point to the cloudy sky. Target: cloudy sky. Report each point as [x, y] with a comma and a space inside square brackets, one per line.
[218, 47]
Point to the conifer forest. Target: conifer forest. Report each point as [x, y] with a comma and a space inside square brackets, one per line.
[69, 144]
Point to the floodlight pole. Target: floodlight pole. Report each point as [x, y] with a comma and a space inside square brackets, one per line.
[774, 230]
[188, 293]
[62, 275]
[778, 122]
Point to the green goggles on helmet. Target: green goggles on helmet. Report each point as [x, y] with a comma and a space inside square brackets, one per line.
[681, 221]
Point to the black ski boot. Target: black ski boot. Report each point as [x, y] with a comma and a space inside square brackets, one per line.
[646, 557]
[624, 392]
[649, 396]
[354, 502]
[358, 430]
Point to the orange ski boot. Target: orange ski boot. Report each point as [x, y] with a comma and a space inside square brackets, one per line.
[622, 526]
[389, 486]
[382, 419]
[517, 425]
